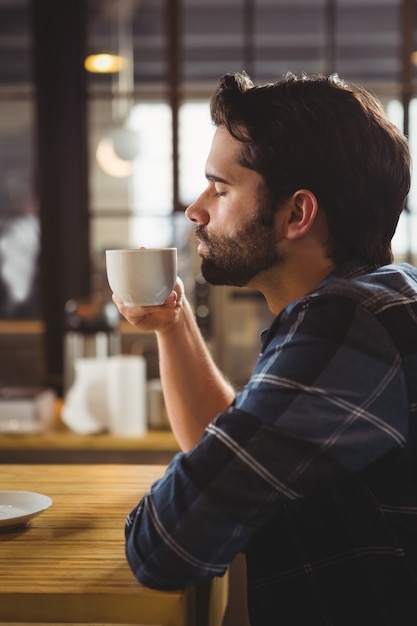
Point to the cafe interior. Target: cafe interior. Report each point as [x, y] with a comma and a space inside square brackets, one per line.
[104, 131]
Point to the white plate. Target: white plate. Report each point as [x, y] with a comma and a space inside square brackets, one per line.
[17, 508]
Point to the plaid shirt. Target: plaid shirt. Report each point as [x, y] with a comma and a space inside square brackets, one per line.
[312, 472]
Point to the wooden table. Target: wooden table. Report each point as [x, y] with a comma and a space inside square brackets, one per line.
[68, 565]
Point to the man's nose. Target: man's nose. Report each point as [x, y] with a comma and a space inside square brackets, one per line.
[196, 213]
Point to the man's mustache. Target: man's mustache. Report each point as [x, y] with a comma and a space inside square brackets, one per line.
[201, 234]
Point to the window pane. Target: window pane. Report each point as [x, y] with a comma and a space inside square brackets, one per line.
[195, 135]
[152, 171]
[19, 222]
[404, 243]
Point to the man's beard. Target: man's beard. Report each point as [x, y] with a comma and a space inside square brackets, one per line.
[237, 260]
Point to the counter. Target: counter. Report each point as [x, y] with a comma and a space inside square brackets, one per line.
[68, 565]
[64, 446]
[61, 445]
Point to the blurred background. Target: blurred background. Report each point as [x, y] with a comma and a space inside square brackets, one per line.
[100, 152]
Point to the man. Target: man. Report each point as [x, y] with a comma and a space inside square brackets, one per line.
[311, 470]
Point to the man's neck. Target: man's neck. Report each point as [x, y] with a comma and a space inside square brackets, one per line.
[290, 281]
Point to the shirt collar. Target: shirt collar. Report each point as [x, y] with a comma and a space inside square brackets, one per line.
[348, 270]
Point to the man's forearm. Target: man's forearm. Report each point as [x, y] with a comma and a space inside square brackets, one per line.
[194, 389]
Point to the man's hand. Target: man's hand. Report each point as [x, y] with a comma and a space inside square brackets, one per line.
[157, 318]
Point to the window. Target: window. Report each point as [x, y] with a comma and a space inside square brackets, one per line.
[19, 223]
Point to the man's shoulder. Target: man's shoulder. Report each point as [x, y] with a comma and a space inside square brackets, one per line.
[372, 288]
[384, 297]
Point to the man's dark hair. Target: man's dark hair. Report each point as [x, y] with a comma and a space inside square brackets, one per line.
[320, 133]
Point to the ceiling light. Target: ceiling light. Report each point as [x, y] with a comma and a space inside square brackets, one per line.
[105, 63]
[110, 163]
[117, 151]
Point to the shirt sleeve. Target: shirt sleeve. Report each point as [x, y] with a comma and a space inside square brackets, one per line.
[327, 399]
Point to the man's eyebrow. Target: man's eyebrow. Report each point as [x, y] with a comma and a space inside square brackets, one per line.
[216, 179]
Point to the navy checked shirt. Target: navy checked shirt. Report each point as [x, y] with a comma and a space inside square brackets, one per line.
[312, 472]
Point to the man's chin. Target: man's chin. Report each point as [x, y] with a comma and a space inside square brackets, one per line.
[218, 277]
[212, 274]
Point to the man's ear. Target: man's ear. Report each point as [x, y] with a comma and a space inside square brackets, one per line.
[303, 208]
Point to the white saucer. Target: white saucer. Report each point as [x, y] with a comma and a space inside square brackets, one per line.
[17, 508]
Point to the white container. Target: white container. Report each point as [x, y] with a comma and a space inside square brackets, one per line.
[85, 410]
[126, 395]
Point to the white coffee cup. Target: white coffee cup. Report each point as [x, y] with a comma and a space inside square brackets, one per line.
[142, 277]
